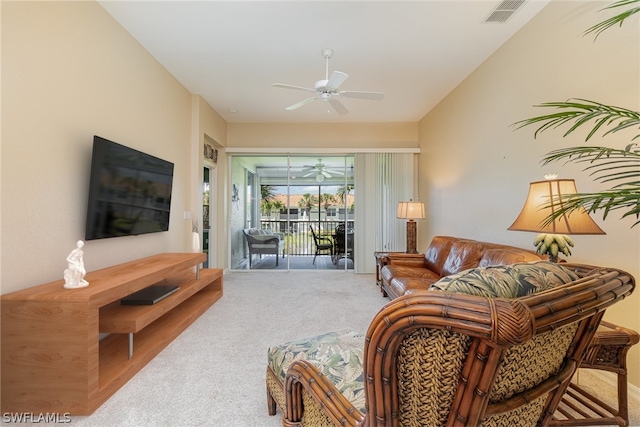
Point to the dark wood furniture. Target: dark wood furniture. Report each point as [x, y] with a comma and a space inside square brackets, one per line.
[323, 244]
[382, 259]
[343, 244]
[440, 358]
[607, 352]
[53, 360]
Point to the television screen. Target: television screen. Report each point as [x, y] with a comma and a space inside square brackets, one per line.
[129, 192]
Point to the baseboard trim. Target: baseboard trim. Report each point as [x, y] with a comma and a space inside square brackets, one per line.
[612, 379]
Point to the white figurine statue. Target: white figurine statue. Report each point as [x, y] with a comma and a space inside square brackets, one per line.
[74, 274]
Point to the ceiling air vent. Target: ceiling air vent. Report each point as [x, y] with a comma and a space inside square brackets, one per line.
[504, 11]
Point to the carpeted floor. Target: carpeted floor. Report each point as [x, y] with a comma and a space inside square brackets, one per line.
[214, 373]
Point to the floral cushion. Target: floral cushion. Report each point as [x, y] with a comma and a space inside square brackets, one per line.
[506, 281]
[338, 356]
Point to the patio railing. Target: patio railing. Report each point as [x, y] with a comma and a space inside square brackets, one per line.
[298, 238]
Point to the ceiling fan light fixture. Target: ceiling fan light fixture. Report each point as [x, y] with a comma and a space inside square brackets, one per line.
[320, 171]
[327, 89]
[327, 53]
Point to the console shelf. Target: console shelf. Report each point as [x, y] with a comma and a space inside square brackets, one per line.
[52, 357]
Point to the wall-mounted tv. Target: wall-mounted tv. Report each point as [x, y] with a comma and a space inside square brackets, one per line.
[129, 192]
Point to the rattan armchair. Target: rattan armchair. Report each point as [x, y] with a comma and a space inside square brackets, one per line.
[437, 358]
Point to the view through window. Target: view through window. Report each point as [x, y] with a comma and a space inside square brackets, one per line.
[295, 198]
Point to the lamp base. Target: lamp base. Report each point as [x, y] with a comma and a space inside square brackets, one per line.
[411, 237]
[552, 245]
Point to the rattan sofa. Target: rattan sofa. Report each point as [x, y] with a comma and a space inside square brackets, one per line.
[442, 357]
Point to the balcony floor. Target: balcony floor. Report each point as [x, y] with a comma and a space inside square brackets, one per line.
[296, 262]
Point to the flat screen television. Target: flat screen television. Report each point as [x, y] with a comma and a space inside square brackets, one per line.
[129, 192]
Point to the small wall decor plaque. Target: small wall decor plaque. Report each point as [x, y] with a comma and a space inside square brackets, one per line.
[210, 153]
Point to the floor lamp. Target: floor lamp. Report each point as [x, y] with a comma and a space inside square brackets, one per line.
[544, 199]
[411, 211]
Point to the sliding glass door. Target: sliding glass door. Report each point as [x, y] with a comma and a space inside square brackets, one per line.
[292, 212]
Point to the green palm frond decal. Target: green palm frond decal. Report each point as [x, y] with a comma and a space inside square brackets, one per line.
[614, 20]
[620, 167]
[605, 201]
[582, 112]
[615, 166]
[604, 164]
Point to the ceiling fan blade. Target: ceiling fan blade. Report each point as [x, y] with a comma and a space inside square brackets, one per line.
[376, 96]
[325, 173]
[336, 79]
[337, 105]
[301, 103]
[336, 172]
[284, 86]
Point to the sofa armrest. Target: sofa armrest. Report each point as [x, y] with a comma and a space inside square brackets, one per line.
[407, 260]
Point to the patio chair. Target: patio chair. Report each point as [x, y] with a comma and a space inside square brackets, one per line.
[323, 244]
[450, 358]
[262, 241]
[342, 244]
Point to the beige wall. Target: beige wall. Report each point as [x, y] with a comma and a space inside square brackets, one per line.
[69, 71]
[210, 128]
[323, 135]
[475, 169]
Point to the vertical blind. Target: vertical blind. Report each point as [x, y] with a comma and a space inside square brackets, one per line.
[381, 181]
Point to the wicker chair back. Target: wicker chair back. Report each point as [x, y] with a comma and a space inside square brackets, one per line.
[448, 359]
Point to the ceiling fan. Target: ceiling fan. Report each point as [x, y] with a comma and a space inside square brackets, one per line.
[327, 89]
[320, 170]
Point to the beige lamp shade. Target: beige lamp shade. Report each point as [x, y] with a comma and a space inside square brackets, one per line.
[543, 200]
[410, 210]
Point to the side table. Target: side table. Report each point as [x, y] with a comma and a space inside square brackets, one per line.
[607, 352]
[382, 259]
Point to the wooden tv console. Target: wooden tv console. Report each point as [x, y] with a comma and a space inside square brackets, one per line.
[53, 360]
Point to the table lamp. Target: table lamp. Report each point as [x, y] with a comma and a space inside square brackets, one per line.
[411, 211]
[544, 199]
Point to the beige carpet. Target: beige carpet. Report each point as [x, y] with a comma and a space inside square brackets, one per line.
[213, 374]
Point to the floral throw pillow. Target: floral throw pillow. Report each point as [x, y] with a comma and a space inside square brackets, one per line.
[506, 281]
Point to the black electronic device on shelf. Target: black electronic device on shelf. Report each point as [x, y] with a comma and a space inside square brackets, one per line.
[149, 296]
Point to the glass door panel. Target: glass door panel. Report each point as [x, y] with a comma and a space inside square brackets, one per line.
[295, 193]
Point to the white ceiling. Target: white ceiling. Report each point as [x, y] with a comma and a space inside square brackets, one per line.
[230, 52]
